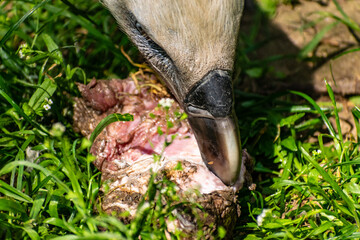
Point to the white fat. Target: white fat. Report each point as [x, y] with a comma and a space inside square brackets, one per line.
[130, 209]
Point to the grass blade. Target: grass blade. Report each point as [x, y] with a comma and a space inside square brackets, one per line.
[115, 117]
[315, 41]
[10, 166]
[11, 206]
[356, 114]
[21, 20]
[38, 204]
[46, 90]
[318, 109]
[21, 112]
[336, 113]
[12, 192]
[334, 185]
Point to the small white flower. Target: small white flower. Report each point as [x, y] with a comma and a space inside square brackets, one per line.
[316, 153]
[260, 218]
[47, 107]
[21, 54]
[21, 50]
[59, 127]
[31, 156]
[49, 101]
[166, 102]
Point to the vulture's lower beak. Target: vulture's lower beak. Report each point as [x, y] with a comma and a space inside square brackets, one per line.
[209, 105]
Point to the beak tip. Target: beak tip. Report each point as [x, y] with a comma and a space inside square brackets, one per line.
[219, 143]
[228, 172]
[209, 105]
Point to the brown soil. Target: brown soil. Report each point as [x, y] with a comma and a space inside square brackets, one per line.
[289, 31]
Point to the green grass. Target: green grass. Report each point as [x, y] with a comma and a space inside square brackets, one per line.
[315, 192]
[49, 188]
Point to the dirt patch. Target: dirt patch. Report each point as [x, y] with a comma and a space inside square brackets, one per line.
[290, 30]
[283, 37]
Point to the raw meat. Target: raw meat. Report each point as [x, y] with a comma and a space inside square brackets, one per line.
[125, 151]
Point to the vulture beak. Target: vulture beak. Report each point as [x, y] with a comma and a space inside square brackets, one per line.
[191, 45]
[209, 105]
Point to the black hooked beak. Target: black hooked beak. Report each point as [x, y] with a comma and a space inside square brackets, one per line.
[209, 105]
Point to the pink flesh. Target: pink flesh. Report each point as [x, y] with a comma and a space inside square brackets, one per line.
[124, 144]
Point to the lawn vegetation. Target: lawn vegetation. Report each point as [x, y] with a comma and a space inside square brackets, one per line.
[307, 170]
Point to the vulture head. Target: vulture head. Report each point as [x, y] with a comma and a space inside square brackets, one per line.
[191, 45]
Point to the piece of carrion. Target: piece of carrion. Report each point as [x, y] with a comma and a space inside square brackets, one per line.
[125, 153]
